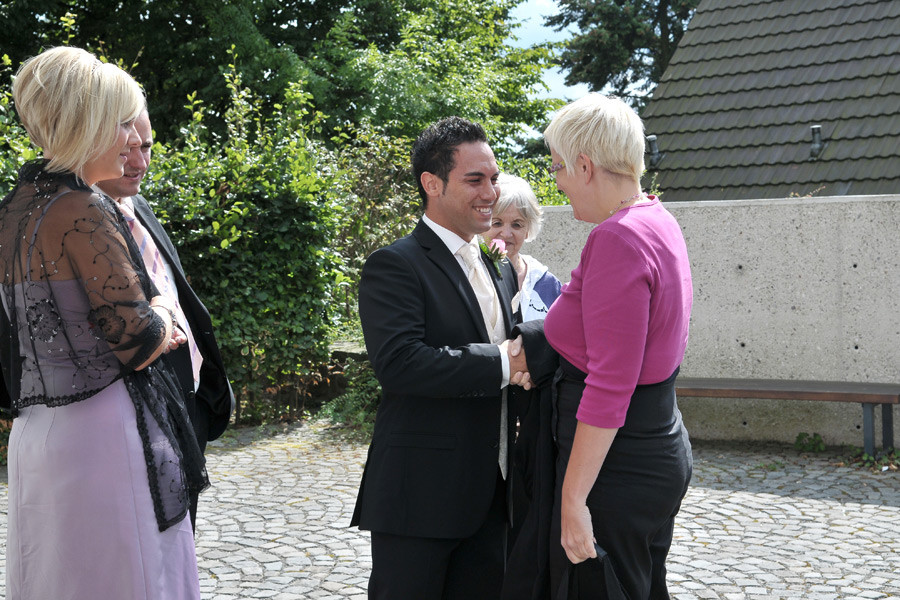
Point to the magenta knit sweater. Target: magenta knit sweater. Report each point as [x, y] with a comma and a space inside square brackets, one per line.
[623, 318]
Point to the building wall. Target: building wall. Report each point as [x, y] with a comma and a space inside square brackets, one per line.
[801, 288]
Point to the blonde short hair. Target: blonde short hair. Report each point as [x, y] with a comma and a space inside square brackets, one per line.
[516, 192]
[602, 127]
[72, 104]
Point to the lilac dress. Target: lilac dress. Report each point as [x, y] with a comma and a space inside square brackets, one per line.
[99, 464]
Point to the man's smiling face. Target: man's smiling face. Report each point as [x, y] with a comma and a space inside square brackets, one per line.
[465, 201]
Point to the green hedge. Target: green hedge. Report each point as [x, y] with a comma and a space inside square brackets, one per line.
[253, 218]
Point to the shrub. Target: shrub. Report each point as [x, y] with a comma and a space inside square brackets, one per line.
[252, 219]
[809, 443]
[374, 197]
[356, 407]
[15, 147]
[534, 171]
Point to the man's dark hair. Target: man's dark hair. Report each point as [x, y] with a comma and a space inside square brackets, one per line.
[434, 149]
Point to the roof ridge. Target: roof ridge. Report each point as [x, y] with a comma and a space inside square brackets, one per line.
[804, 4]
[805, 141]
[816, 121]
[688, 40]
[779, 86]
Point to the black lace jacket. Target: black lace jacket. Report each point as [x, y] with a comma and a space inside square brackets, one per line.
[76, 318]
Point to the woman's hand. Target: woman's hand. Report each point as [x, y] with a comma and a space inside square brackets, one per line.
[165, 308]
[589, 450]
[577, 533]
[178, 338]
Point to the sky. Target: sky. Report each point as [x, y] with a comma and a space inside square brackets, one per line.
[531, 15]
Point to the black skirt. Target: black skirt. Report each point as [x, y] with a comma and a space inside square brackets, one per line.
[640, 486]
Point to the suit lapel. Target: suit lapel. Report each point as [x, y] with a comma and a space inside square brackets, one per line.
[437, 252]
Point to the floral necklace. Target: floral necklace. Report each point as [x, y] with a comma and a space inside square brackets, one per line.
[637, 196]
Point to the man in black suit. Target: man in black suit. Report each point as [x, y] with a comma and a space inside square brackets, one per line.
[198, 363]
[433, 492]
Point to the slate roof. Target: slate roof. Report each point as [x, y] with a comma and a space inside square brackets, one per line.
[733, 111]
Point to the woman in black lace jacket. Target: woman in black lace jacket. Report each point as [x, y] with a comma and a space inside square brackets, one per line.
[101, 455]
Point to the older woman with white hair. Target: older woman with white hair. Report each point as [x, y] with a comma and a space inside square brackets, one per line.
[620, 328]
[102, 457]
[517, 218]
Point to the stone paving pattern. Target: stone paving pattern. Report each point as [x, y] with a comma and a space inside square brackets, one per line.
[759, 522]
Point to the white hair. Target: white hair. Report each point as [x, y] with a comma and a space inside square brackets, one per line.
[605, 129]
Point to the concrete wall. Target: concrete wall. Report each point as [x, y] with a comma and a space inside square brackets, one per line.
[801, 288]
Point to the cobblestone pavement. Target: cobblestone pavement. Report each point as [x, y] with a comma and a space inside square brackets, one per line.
[759, 522]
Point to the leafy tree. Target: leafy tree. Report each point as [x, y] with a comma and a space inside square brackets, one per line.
[623, 44]
[394, 64]
[444, 62]
[177, 47]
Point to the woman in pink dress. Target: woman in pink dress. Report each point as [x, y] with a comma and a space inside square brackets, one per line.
[101, 454]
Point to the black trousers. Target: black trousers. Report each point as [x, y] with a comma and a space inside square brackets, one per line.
[414, 568]
[638, 491]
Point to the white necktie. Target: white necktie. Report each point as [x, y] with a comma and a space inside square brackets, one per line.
[490, 311]
[484, 290]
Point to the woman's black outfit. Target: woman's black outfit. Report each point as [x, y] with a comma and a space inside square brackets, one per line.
[639, 489]
[637, 493]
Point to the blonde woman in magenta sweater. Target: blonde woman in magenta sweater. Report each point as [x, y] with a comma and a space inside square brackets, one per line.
[620, 328]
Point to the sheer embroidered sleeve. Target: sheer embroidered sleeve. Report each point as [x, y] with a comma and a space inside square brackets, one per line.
[82, 232]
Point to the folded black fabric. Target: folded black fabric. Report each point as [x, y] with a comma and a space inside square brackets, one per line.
[595, 576]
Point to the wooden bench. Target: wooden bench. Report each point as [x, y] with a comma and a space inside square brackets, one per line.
[867, 394]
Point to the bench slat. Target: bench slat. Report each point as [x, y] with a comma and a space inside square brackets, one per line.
[785, 389]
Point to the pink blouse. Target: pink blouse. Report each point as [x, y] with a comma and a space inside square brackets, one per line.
[623, 318]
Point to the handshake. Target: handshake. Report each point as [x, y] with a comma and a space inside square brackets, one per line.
[518, 368]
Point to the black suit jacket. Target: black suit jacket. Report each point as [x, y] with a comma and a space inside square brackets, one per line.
[214, 396]
[432, 465]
